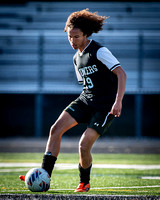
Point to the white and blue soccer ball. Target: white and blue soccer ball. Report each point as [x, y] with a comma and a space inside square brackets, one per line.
[37, 180]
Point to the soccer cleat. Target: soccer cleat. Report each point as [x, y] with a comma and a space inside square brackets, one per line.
[22, 177]
[83, 187]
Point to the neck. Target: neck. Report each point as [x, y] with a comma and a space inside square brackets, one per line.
[84, 45]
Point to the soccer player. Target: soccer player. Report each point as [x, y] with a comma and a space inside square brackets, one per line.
[104, 83]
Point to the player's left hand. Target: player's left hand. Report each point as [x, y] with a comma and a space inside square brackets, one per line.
[116, 109]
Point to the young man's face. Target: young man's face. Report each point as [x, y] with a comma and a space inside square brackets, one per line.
[76, 38]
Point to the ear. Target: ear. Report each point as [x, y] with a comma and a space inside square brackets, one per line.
[85, 35]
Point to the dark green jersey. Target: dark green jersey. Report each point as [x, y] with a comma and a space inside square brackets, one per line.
[94, 68]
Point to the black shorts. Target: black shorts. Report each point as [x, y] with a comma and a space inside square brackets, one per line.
[99, 121]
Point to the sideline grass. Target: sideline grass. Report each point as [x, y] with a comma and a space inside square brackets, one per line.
[107, 181]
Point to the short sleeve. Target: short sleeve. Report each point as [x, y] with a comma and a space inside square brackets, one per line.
[107, 58]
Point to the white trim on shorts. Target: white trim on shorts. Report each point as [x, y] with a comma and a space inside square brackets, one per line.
[105, 119]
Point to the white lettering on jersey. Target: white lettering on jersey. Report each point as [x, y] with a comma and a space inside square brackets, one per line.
[88, 70]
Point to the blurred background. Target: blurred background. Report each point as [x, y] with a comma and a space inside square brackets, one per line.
[37, 77]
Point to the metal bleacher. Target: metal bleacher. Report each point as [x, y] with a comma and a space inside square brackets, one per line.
[35, 56]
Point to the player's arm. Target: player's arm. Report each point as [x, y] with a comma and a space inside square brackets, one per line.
[117, 106]
[107, 58]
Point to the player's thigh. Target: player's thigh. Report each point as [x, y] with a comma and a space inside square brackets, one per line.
[79, 111]
[88, 139]
[63, 123]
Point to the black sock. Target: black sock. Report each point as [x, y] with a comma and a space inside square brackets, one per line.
[48, 163]
[84, 174]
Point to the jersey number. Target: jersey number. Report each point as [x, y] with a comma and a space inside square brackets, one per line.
[89, 83]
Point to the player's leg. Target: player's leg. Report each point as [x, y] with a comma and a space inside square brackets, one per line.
[73, 114]
[97, 126]
[86, 142]
[63, 123]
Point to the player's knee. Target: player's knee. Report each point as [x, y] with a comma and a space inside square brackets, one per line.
[54, 130]
[83, 149]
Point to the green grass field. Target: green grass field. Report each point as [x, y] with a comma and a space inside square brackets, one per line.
[108, 181]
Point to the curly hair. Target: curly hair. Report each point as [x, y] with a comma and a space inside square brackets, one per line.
[86, 21]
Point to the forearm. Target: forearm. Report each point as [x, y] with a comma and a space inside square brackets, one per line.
[117, 106]
[121, 86]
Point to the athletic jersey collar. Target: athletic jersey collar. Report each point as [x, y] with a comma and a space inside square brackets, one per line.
[81, 53]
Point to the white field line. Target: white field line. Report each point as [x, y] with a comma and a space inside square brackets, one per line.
[26, 169]
[131, 187]
[19, 164]
[62, 166]
[100, 188]
[14, 170]
[121, 166]
[150, 177]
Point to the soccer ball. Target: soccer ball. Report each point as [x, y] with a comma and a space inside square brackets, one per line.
[37, 180]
